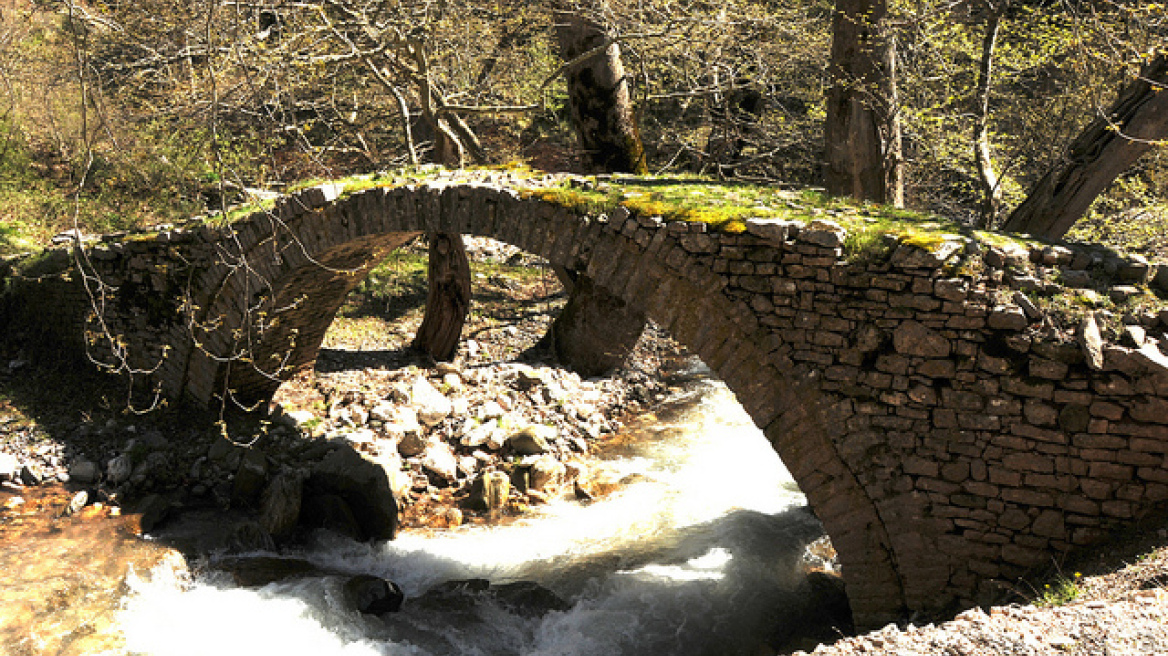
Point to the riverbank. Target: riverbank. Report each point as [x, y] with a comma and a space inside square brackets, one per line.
[1107, 601]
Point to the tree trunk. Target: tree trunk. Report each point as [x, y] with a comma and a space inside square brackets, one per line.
[990, 185]
[1105, 149]
[448, 271]
[598, 96]
[596, 330]
[448, 299]
[862, 131]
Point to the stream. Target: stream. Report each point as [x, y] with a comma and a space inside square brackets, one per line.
[700, 554]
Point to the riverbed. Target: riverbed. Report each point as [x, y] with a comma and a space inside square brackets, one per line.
[702, 552]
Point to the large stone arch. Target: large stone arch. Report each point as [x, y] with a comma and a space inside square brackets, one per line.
[304, 257]
[947, 446]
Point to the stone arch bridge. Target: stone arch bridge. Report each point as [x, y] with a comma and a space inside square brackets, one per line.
[947, 440]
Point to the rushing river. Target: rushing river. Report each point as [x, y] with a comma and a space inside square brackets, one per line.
[699, 556]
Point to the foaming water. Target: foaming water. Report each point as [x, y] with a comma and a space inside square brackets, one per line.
[697, 557]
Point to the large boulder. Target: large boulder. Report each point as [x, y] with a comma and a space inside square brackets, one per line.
[363, 485]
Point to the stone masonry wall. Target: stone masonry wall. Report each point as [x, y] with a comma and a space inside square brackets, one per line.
[950, 425]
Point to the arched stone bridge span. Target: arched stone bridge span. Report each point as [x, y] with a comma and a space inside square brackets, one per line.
[945, 438]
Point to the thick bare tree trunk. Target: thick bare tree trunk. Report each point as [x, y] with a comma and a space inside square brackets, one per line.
[598, 96]
[448, 271]
[990, 185]
[1105, 149]
[862, 131]
[448, 299]
[596, 330]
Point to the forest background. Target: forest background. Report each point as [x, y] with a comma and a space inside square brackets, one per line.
[119, 114]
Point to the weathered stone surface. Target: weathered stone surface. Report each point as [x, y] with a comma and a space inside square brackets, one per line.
[280, 504]
[1091, 340]
[822, 232]
[430, 405]
[373, 595]
[489, 490]
[531, 440]
[1076, 279]
[363, 485]
[84, 471]
[913, 338]
[9, 467]
[1007, 317]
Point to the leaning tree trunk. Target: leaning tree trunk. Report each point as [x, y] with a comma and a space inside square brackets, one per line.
[598, 96]
[991, 188]
[448, 300]
[596, 330]
[1106, 148]
[862, 131]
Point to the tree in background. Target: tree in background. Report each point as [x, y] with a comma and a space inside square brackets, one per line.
[1135, 123]
[599, 93]
[991, 188]
[862, 128]
[596, 330]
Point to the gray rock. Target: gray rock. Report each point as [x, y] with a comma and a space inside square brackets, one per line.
[1007, 317]
[1160, 280]
[1134, 336]
[952, 289]
[431, 405]
[440, 460]
[532, 440]
[914, 338]
[1028, 306]
[83, 471]
[78, 502]
[153, 508]
[775, 231]
[1000, 257]
[1057, 255]
[9, 467]
[489, 491]
[280, 504]
[31, 476]
[1091, 341]
[545, 472]
[822, 232]
[412, 444]
[297, 418]
[1076, 278]
[1121, 293]
[480, 435]
[490, 410]
[331, 512]
[119, 469]
[372, 595]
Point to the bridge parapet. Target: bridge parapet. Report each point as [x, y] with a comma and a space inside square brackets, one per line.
[948, 404]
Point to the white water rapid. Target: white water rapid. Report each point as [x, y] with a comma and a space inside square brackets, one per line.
[698, 557]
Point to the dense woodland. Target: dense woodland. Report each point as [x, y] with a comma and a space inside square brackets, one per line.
[118, 113]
